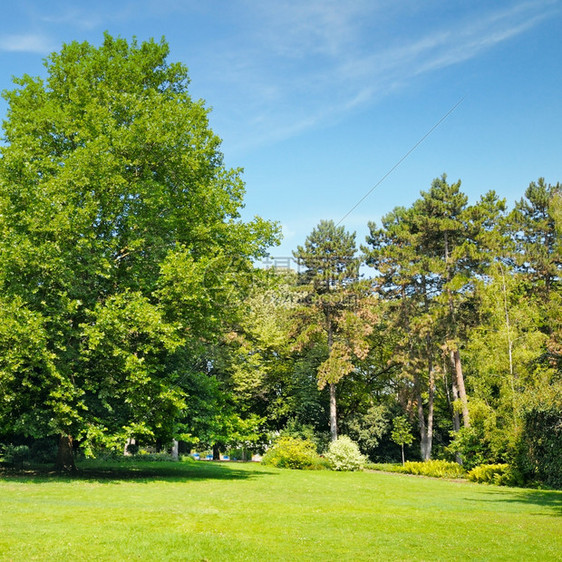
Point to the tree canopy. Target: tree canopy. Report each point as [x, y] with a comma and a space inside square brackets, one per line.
[120, 234]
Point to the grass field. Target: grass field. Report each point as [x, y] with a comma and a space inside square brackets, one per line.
[233, 511]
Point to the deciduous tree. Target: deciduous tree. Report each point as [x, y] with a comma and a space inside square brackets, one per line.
[117, 217]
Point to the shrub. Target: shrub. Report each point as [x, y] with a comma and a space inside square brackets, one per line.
[384, 467]
[320, 463]
[471, 445]
[367, 429]
[44, 451]
[16, 455]
[499, 474]
[344, 454]
[187, 459]
[132, 448]
[146, 456]
[538, 457]
[298, 430]
[292, 452]
[436, 469]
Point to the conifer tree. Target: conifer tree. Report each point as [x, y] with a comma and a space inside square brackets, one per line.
[336, 313]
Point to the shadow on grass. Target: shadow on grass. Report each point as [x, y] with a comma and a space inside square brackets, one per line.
[113, 471]
[549, 499]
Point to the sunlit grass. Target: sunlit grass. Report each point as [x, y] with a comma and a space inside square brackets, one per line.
[234, 511]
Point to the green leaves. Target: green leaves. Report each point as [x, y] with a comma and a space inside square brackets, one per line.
[329, 257]
[120, 232]
[401, 431]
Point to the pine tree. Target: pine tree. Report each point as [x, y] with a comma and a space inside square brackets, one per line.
[337, 313]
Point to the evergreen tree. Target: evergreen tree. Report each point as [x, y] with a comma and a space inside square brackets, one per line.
[538, 258]
[337, 314]
[428, 258]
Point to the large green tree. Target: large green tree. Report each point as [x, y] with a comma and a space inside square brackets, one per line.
[405, 281]
[121, 243]
[428, 257]
[535, 230]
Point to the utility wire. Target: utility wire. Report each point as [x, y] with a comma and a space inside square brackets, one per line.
[401, 160]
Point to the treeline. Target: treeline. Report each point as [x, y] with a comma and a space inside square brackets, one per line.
[131, 309]
[458, 326]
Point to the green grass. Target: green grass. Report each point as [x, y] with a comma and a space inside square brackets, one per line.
[233, 511]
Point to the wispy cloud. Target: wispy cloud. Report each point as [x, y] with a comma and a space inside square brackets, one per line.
[306, 64]
[274, 70]
[27, 43]
[300, 30]
[75, 18]
[85, 17]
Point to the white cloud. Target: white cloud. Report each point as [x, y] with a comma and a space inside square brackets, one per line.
[306, 64]
[27, 43]
[299, 29]
[78, 19]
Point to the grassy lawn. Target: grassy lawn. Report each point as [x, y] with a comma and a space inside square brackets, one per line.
[233, 511]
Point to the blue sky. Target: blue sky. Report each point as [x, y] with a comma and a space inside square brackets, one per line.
[318, 99]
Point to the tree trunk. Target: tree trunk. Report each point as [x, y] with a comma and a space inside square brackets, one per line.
[426, 454]
[459, 379]
[455, 353]
[421, 417]
[403, 458]
[333, 408]
[456, 417]
[65, 456]
[333, 413]
[216, 452]
[130, 441]
[175, 450]
[426, 429]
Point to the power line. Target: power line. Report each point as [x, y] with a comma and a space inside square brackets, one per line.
[401, 160]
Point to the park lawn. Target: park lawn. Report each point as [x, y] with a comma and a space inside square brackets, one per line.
[234, 511]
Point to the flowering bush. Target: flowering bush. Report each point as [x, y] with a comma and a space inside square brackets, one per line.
[293, 452]
[344, 454]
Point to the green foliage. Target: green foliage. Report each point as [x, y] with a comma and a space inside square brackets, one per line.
[329, 257]
[298, 430]
[539, 449]
[43, 451]
[384, 466]
[343, 454]
[132, 448]
[470, 445]
[143, 455]
[31, 385]
[485, 441]
[499, 474]
[123, 256]
[402, 431]
[291, 452]
[434, 468]
[15, 455]
[533, 229]
[368, 429]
